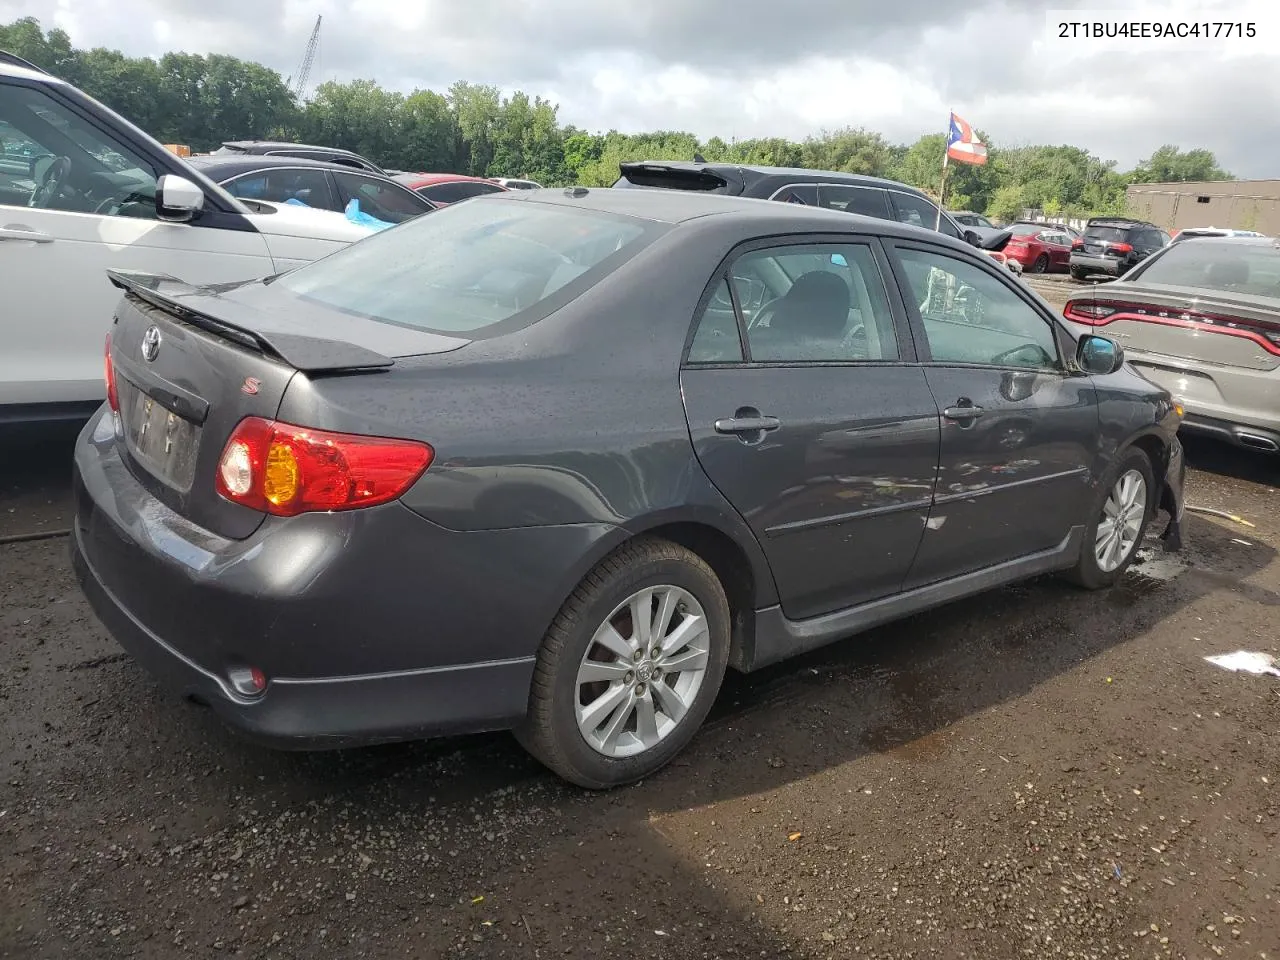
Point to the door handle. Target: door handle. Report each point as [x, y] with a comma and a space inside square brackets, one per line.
[22, 233]
[963, 412]
[745, 425]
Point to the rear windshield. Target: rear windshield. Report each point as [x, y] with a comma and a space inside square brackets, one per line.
[1109, 234]
[1226, 267]
[479, 268]
[1028, 229]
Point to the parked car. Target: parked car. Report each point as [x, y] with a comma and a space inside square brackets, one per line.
[1066, 228]
[846, 192]
[1114, 245]
[99, 193]
[1039, 248]
[298, 151]
[443, 189]
[512, 184]
[1202, 319]
[967, 218]
[420, 488]
[324, 186]
[1191, 233]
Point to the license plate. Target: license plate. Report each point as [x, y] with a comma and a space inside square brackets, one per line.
[162, 442]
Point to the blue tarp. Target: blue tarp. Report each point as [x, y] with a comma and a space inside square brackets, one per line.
[354, 214]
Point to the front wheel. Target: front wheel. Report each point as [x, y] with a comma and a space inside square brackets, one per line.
[1118, 522]
[1041, 264]
[630, 667]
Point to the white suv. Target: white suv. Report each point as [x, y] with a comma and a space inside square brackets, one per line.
[83, 190]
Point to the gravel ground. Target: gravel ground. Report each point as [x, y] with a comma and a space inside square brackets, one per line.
[1038, 772]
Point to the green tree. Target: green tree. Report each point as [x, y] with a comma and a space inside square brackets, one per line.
[1171, 165]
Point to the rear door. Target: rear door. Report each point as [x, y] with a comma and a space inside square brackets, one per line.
[389, 202]
[809, 413]
[1019, 433]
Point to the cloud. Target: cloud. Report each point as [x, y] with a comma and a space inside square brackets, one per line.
[745, 68]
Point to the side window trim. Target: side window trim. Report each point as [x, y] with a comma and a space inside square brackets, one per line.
[908, 350]
[903, 283]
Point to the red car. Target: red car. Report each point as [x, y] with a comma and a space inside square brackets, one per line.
[443, 189]
[1039, 247]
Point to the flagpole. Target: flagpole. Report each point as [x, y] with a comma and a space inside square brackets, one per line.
[942, 190]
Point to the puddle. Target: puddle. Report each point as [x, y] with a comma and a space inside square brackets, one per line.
[891, 740]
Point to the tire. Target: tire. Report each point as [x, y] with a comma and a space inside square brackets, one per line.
[1089, 572]
[1041, 264]
[1078, 274]
[551, 730]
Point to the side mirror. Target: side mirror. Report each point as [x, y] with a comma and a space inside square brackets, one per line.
[1098, 356]
[178, 199]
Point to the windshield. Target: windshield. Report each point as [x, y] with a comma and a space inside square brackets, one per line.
[1227, 267]
[478, 268]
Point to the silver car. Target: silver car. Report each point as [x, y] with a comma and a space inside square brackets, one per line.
[1201, 320]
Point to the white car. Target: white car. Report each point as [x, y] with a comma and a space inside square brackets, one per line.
[514, 184]
[83, 190]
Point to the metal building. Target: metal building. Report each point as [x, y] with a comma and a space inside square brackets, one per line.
[1237, 204]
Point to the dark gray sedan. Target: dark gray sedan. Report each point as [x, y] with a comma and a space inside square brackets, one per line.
[553, 461]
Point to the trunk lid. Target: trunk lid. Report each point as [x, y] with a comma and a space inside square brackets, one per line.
[192, 362]
[1222, 329]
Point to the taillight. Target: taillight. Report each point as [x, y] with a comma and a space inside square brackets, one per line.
[1094, 314]
[1121, 248]
[285, 470]
[113, 396]
[1077, 244]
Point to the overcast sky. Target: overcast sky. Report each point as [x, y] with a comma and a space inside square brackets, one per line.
[744, 68]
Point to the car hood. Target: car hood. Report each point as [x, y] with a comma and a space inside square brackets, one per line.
[294, 220]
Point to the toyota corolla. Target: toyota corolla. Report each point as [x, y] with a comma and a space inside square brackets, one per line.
[553, 462]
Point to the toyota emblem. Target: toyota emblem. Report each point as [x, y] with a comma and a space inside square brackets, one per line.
[150, 343]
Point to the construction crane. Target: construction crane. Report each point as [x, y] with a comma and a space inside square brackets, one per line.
[299, 86]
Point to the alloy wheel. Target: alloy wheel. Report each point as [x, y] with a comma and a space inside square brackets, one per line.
[1121, 522]
[642, 671]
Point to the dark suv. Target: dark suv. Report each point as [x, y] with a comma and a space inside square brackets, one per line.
[304, 151]
[849, 192]
[1114, 245]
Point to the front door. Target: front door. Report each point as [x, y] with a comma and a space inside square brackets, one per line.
[1019, 432]
[75, 201]
[809, 413]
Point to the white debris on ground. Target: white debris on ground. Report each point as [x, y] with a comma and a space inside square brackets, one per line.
[1245, 661]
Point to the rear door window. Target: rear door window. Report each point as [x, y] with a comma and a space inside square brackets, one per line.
[806, 193]
[379, 198]
[919, 212]
[867, 201]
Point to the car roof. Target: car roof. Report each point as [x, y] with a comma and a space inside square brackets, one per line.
[224, 162]
[11, 65]
[802, 174]
[276, 144]
[683, 206]
[426, 179]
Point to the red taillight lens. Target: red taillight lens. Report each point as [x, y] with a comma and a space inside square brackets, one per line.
[285, 470]
[113, 396]
[1094, 314]
[1077, 244]
[1121, 248]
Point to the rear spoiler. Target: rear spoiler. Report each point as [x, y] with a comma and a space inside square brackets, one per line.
[658, 173]
[196, 306]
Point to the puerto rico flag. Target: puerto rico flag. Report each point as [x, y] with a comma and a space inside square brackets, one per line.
[962, 145]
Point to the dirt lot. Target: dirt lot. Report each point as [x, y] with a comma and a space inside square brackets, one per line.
[1035, 773]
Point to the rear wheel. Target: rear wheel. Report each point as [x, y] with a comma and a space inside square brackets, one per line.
[1041, 264]
[630, 666]
[1121, 511]
[1078, 274]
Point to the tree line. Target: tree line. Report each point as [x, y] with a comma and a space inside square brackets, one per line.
[473, 128]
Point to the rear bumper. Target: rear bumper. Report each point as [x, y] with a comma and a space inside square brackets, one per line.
[370, 625]
[1095, 263]
[1263, 439]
